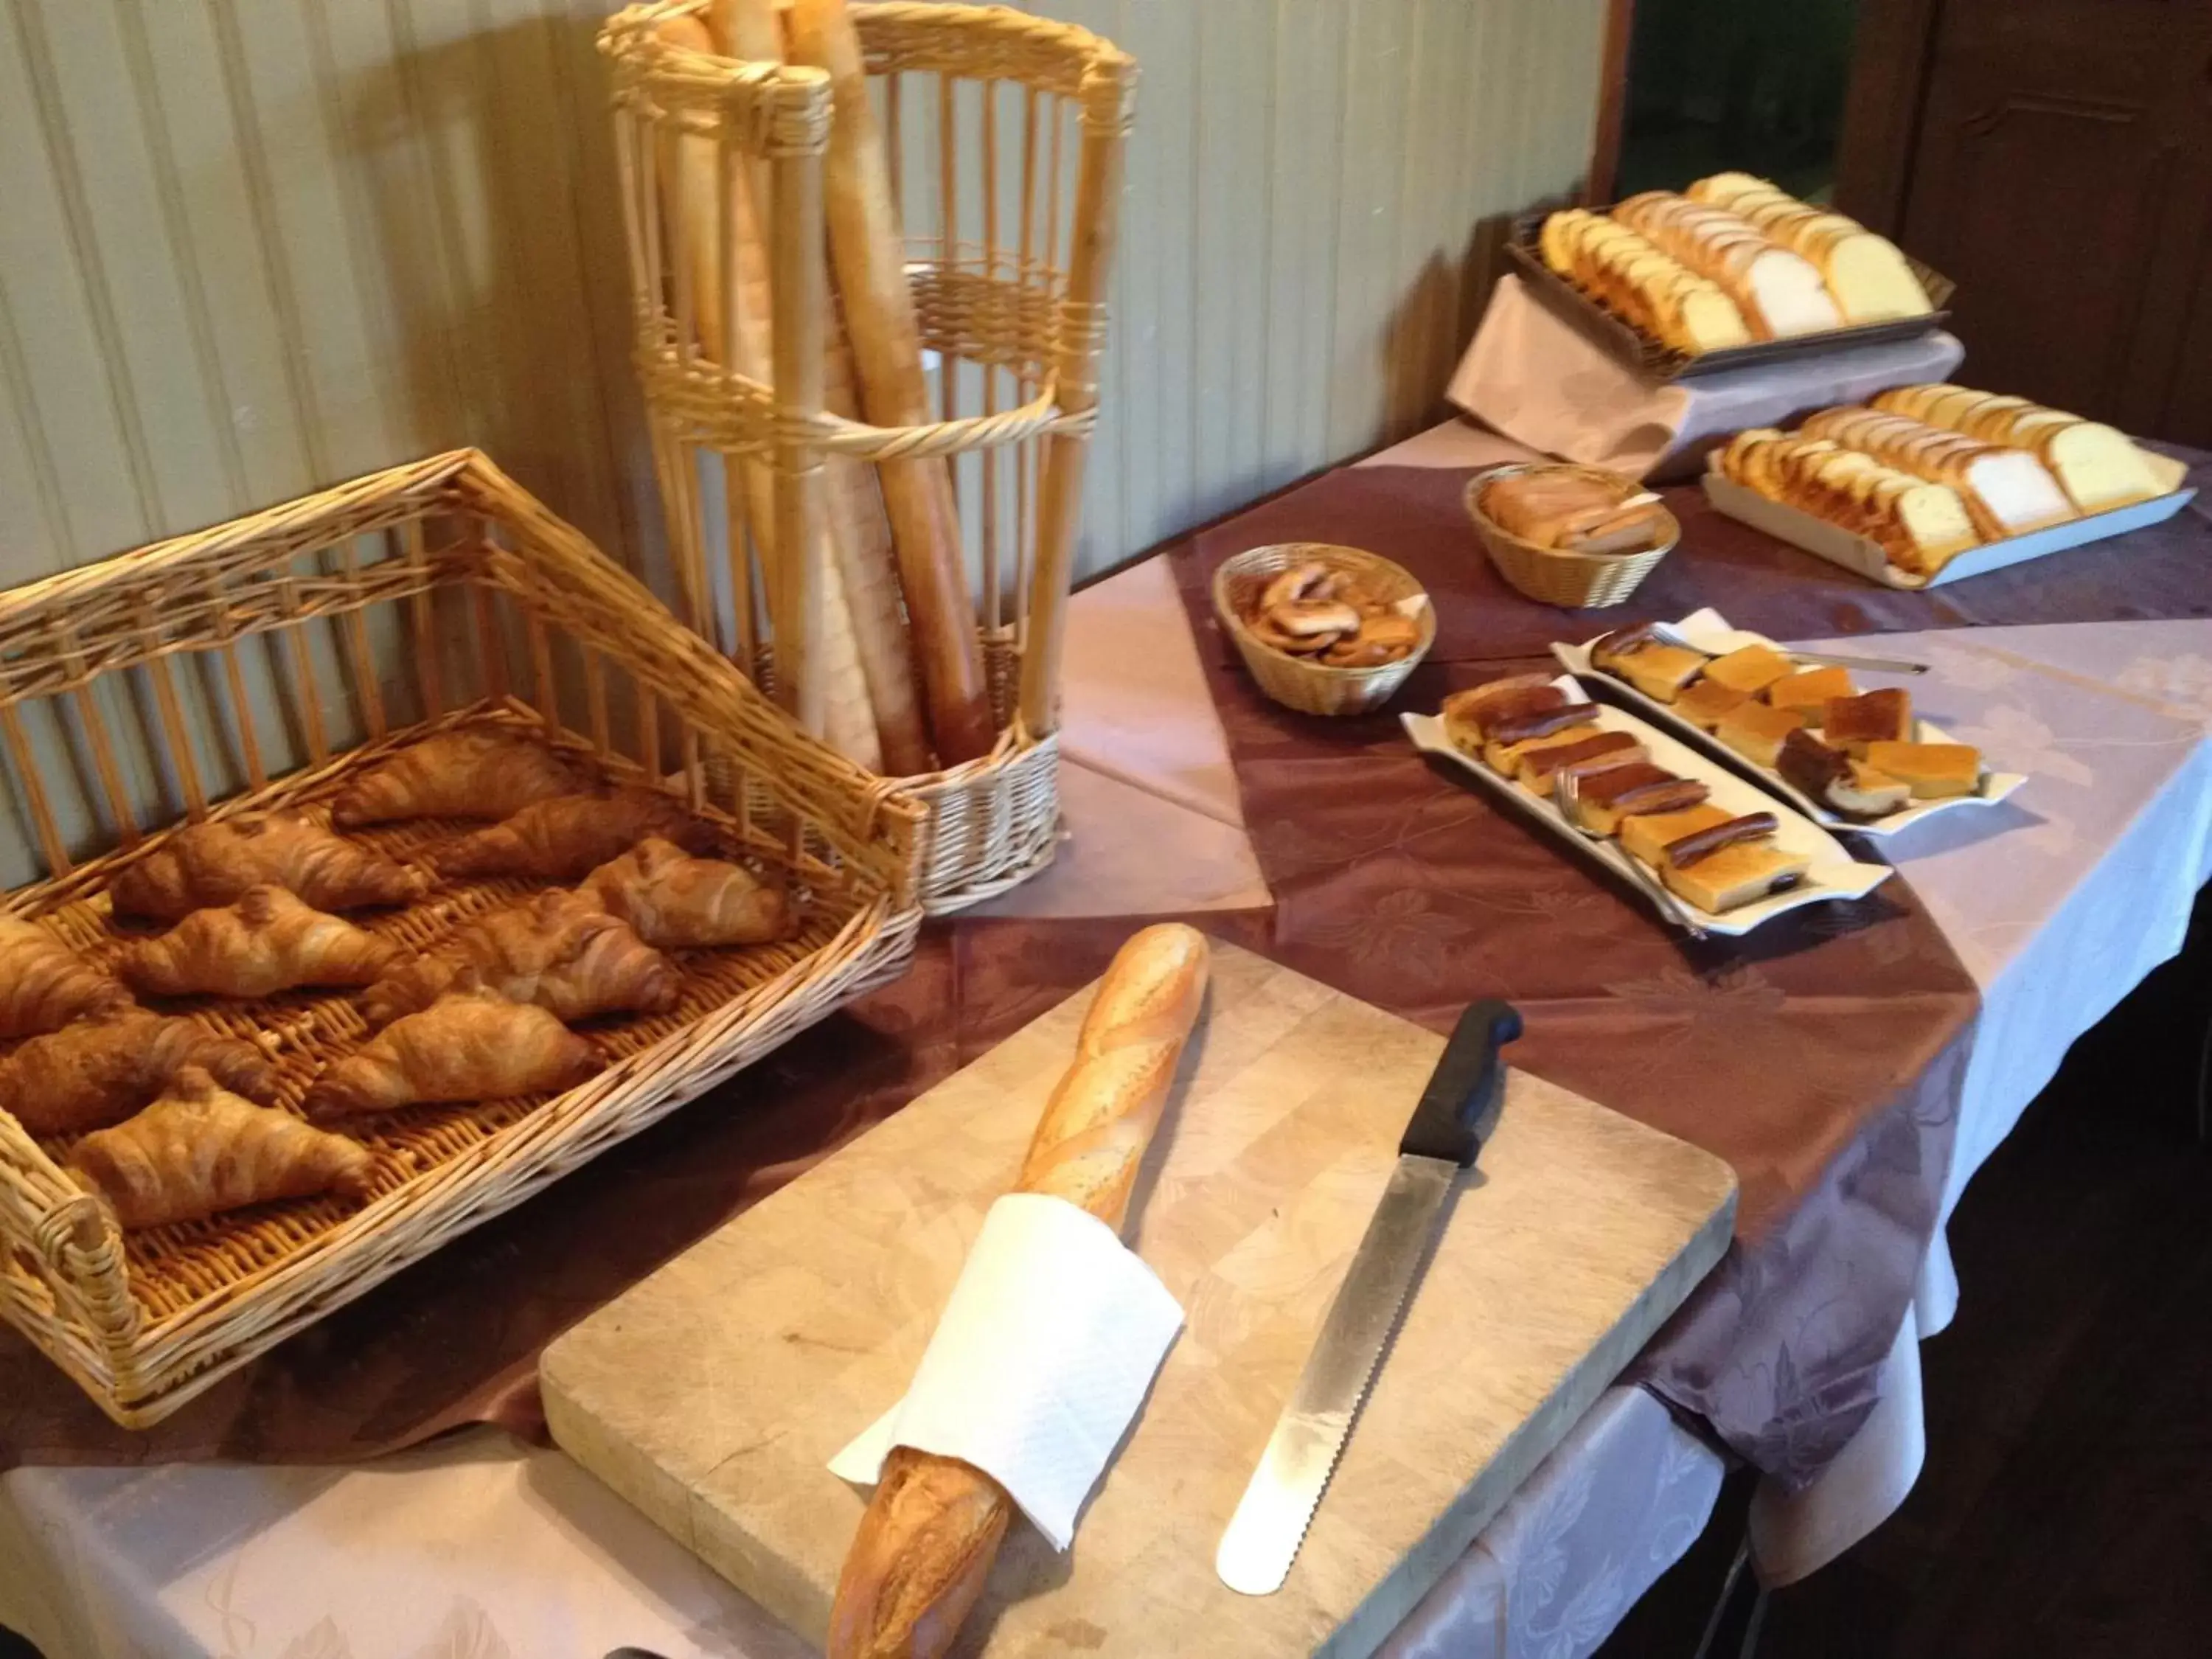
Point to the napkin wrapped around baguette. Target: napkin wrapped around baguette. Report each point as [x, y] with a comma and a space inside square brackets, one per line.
[926, 1545]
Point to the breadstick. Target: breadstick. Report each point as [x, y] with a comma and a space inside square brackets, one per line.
[742, 341]
[926, 1545]
[859, 568]
[867, 251]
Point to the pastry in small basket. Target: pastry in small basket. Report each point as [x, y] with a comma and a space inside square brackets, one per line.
[212, 864]
[200, 1150]
[456, 774]
[96, 1073]
[44, 984]
[1327, 617]
[471, 1045]
[563, 837]
[560, 951]
[1566, 509]
[268, 941]
[679, 902]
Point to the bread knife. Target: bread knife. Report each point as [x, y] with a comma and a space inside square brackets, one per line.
[1457, 1112]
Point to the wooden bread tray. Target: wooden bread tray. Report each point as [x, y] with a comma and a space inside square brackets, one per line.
[1663, 363]
[262, 664]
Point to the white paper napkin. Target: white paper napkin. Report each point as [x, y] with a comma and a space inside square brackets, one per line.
[1039, 1362]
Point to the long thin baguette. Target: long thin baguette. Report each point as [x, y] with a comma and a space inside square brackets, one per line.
[866, 249]
[741, 339]
[926, 1545]
[862, 570]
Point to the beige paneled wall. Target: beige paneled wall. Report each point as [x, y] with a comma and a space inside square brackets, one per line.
[247, 246]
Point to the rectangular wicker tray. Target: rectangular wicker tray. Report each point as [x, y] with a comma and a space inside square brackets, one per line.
[491, 593]
[1663, 363]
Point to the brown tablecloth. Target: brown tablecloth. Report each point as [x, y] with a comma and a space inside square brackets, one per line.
[1819, 1057]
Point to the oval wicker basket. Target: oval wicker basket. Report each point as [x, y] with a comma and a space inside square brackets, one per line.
[1313, 688]
[1583, 581]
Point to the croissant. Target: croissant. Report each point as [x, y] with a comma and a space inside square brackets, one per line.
[44, 984]
[267, 942]
[560, 951]
[562, 838]
[471, 1045]
[200, 1150]
[216, 863]
[681, 903]
[99, 1071]
[458, 775]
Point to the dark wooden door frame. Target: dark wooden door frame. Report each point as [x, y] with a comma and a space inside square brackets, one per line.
[1612, 105]
[1891, 53]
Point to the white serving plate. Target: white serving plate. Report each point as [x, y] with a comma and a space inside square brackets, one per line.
[1833, 873]
[1708, 631]
[1855, 552]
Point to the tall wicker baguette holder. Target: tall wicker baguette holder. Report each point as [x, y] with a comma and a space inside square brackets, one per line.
[268, 661]
[1015, 312]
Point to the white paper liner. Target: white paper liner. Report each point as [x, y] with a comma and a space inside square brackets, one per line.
[1039, 1363]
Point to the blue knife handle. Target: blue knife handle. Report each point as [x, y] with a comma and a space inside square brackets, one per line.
[1459, 1106]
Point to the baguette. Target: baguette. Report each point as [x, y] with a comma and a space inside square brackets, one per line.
[927, 1543]
[867, 252]
[860, 566]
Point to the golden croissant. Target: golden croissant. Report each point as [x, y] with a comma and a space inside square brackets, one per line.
[200, 1150]
[681, 903]
[268, 941]
[99, 1071]
[44, 984]
[214, 864]
[560, 951]
[471, 1045]
[457, 774]
[562, 838]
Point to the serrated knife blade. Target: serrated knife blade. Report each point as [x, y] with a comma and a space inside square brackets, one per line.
[1457, 1111]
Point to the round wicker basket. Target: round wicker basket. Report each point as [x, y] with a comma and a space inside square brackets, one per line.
[1585, 581]
[1313, 688]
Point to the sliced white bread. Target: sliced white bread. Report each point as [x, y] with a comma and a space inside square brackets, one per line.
[2097, 467]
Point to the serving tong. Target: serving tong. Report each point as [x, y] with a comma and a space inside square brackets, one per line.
[1666, 634]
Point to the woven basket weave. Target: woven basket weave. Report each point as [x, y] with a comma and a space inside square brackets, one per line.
[1010, 297]
[262, 664]
[1584, 581]
[1309, 687]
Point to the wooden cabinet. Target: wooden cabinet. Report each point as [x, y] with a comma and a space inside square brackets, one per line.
[2054, 157]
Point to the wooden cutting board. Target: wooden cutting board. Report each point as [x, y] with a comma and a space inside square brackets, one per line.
[713, 1394]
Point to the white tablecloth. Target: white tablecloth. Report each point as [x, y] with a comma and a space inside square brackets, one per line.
[482, 1546]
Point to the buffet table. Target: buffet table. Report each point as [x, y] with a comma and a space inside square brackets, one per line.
[480, 1540]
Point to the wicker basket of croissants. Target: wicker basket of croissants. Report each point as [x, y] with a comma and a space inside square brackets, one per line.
[1325, 630]
[474, 862]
